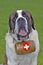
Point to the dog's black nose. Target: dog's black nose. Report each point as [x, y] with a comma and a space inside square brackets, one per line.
[21, 22]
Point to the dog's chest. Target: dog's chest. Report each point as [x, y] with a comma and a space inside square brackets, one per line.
[10, 51]
[11, 54]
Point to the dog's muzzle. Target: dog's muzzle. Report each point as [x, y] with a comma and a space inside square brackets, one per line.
[22, 26]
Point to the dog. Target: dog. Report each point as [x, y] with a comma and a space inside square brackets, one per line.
[21, 27]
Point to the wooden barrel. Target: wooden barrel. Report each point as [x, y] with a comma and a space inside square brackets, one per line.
[25, 47]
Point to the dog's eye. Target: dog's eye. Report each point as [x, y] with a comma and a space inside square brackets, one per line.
[15, 17]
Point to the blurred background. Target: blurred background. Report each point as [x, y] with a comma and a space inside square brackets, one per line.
[9, 6]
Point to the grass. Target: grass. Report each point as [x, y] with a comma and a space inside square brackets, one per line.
[8, 6]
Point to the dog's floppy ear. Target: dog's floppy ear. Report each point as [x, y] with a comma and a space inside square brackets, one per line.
[32, 21]
[11, 24]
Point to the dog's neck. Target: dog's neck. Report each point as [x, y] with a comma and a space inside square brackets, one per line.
[17, 38]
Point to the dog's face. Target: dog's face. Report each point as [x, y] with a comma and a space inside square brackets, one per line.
[21, 23]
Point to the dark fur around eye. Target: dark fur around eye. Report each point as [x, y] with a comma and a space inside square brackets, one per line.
[25, 15]
[16, 15]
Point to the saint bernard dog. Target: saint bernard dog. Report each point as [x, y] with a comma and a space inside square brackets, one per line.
[21, 27]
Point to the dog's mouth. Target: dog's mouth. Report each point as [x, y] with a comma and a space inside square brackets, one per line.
[22, 33]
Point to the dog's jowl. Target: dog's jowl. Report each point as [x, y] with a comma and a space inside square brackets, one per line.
[22, 43]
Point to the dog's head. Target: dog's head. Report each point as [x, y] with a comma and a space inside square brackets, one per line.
[21, 22]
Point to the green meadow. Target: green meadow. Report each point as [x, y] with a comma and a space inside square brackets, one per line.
[9, 6]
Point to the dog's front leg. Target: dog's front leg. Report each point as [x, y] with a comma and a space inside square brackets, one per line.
[5, 60]
[34, 61]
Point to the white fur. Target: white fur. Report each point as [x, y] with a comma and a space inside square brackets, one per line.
[28, 59]
[19, 13]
